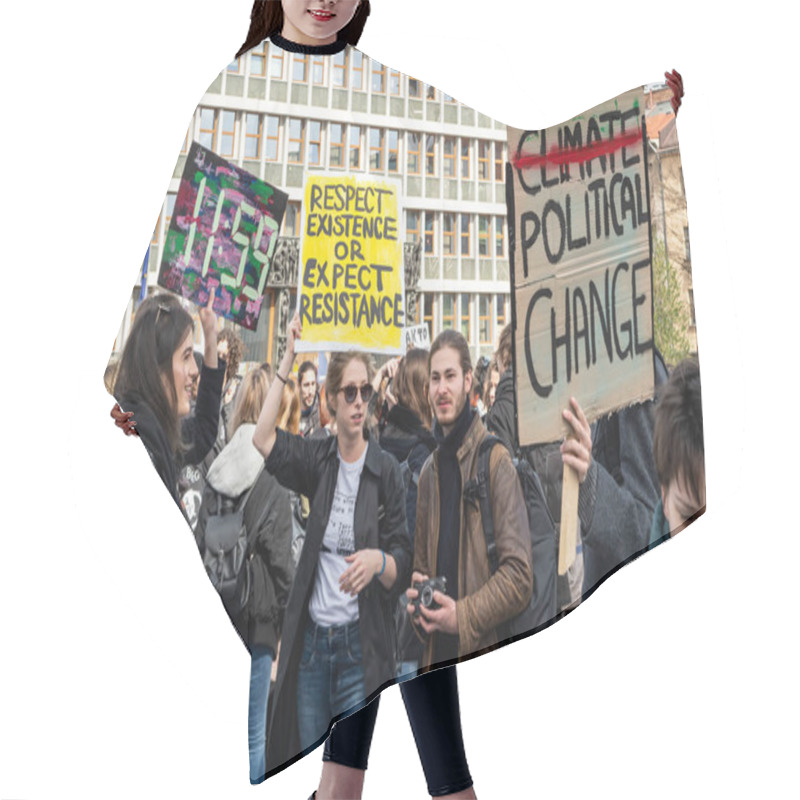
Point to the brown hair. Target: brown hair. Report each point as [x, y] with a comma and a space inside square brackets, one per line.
[266, 18]
[503, 353]
[289, 411]
[235, 351]
[678, 448]
[250, 398]
[336, 368]
[145, 368]
[411, 385]
[456, 341]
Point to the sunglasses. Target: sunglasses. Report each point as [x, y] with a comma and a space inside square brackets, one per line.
[351, 391]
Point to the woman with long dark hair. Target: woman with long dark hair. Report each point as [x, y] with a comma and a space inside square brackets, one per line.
[154, 384]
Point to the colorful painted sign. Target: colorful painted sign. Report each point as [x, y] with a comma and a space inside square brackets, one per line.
[351, 293]
[579, 211]
[222, 235]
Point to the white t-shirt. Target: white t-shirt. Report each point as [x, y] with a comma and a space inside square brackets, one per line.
[329, 605]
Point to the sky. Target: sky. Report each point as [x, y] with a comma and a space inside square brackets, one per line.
[122, 677]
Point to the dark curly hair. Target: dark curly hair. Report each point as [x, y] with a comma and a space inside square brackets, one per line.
[235, 352]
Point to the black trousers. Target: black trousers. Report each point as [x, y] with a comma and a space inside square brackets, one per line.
[432, 706]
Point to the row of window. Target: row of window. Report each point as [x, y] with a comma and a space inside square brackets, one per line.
[347, 146]
[347, 69]
[467, 313]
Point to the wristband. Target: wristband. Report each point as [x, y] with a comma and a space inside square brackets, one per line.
[280, 377]
[384, 564]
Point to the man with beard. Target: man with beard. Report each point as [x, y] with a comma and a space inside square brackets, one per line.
[309, 398]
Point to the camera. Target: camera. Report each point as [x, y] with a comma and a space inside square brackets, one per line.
[425, 590]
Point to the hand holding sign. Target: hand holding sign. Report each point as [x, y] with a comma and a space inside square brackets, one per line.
[675, 82]
[208, 322]
[577, 447]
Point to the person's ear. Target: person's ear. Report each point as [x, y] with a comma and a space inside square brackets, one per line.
[468, 382]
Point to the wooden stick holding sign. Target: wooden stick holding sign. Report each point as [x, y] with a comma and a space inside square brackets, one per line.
[568, 535]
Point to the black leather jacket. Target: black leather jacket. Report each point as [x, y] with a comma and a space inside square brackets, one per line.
[311, 467]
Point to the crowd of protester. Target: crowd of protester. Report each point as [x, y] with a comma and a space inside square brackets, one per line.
[351, 495]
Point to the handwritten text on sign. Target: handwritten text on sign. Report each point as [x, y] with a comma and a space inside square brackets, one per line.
[222, 235]
[578, 201]
[351, 281]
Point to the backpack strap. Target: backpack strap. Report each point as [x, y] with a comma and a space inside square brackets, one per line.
[483, 488]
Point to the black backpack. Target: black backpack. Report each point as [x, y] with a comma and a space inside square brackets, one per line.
[223, 545]
[541, 610]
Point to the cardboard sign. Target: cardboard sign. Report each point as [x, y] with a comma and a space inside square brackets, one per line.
[578, 204]
[222, 236]
[418, 336]
[351, 293]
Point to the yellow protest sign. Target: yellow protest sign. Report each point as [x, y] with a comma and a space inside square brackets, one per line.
[351, 293]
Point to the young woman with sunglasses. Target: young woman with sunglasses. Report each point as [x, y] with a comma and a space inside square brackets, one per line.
[337, 646]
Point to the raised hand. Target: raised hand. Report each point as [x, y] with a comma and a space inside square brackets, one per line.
[124, 420]
[577, 449]
[675, 82]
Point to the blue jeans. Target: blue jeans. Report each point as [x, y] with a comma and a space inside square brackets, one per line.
[330, 680]
[260, 674]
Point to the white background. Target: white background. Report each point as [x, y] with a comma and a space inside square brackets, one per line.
[120, 676]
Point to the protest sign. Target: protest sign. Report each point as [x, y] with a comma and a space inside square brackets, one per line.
[351, 293]
[418, 336]
[578, 206]
[222, 236]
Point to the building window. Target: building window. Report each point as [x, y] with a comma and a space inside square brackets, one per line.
[501, 313]
[376, 149]
[485, 320]
[355, 147]
[430, 154]
[484, 149]
[187, 139]
[336, 135]
[340, 69]
[448, 311]
[276, 63]
[691, 307]
[465, 158]
[169, 208]
[393, 156]
[466, 223]
[430, 92]
[499, 172]
[234, 66]
[314, 142]
[686, 243]
[448, 234]
[208, 128]
[291, 219]
[466, 327]
[317, 70]
[378, 77]
[228, 134]
[358, 69]
[412, 226]
[499, 237]
[430, 233]
[449, 157]
[484, 226]
[252, 135]
[429, 313]
[414, 88]
[394, 82]
[272, 138]
[448, 99]
[412, 152]
[300, 68]
[258, 61]
[297, 136]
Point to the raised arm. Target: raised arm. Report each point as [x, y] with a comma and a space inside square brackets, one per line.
[264, 436]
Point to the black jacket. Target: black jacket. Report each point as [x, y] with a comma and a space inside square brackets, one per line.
[311, 467]
[197, 431]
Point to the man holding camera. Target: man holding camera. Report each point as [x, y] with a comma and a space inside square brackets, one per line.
[449, 541]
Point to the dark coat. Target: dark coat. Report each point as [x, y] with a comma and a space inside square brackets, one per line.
[197, 431]
[268, 522]
[311, 467]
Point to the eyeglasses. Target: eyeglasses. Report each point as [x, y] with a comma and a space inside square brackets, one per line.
[351, 391]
